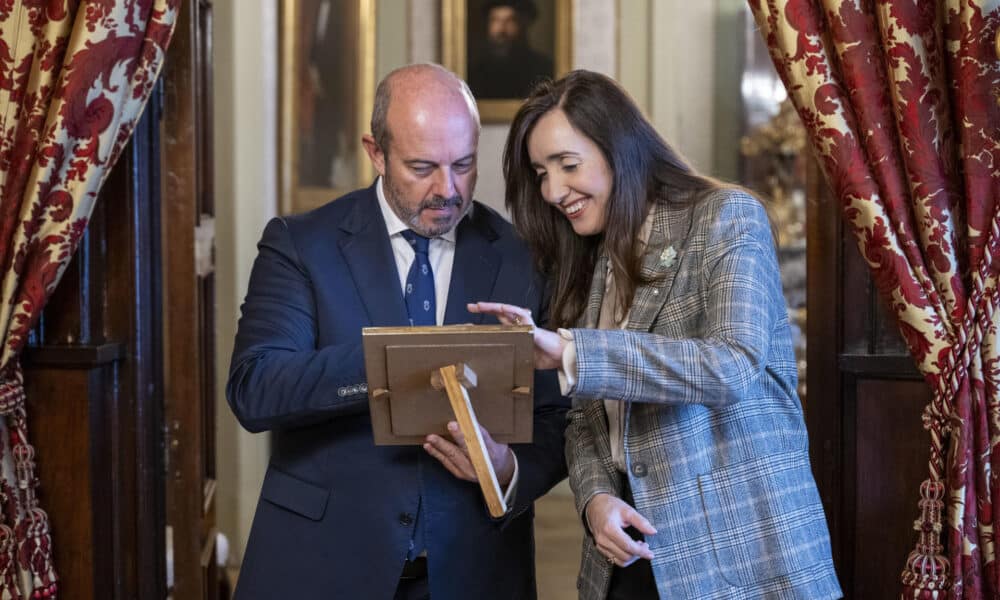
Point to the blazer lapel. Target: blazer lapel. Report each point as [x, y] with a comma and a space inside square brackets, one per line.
[597, 283]
[660, 262]
[369, 257]
[475, 269]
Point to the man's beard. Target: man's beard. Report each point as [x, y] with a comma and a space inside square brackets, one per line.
[439, 226]
[501, 49]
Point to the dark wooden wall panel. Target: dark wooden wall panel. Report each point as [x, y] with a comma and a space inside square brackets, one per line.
[891, 461]
[59, 414]
[868, 446]
[93, 377]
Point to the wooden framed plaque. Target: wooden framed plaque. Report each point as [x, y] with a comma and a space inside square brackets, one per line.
[405, 406]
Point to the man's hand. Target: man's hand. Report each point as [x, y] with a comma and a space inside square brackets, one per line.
[608, 517]
[455, 456]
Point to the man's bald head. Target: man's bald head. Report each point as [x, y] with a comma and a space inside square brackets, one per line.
[415, 88]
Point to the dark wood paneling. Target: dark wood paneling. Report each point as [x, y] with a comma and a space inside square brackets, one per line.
[189, 309]
[94, 384]
[891, 451]
[869, 448]
[62, 430]
[823, 333]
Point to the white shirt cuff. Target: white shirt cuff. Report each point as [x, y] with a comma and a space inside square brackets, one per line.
[567, 372]
[512, 486]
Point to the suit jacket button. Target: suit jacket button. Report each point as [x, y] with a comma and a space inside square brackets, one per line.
[639, 469]
[342, 392]
[405, 519]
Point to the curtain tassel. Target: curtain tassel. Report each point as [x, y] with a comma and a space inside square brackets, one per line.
[9, 588]
[34, 535]
[926, 574]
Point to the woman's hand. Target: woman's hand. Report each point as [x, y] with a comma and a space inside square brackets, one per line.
[549, 345]
[607, 517]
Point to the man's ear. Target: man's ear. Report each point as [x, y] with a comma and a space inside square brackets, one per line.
[375, 154]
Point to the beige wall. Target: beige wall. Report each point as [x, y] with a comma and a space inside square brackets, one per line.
[662, 52]
[245, 65]
[682, 77]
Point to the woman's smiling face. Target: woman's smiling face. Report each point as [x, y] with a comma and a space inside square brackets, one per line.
[573, 175]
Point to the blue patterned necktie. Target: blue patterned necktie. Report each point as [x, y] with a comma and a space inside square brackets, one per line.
[419, 293]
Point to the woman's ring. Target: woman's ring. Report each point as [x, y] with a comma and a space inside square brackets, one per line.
[611, 560]
[517, 319]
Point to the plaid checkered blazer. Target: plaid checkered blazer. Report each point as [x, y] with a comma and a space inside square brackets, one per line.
[715, 442]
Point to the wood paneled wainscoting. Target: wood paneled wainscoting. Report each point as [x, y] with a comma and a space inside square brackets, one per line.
[869, 449]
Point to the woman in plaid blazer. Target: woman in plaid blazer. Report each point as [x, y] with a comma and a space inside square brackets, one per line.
[686, 446]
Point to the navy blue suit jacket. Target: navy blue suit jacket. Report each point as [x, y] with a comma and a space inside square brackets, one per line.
[336, 512]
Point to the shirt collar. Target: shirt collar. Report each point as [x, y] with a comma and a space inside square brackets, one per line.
[393, 224]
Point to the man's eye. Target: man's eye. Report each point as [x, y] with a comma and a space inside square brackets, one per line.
[463, 167]
[422, 171]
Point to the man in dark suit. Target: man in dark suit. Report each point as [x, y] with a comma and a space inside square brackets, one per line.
[340, 517]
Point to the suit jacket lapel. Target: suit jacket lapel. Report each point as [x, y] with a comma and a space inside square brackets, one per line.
[475, 269]
[660, 262]
[369, 257]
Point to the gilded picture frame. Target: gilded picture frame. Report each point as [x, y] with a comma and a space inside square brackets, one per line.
[327, 87]
[467, 49]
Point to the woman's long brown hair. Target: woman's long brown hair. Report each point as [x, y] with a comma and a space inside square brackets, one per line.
[646, 171]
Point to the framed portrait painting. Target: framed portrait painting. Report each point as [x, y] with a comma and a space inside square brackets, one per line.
[503, 47]
[327, 88]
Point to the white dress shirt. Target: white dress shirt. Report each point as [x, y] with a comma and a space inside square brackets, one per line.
[441, 254]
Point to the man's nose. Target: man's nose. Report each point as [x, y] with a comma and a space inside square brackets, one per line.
[444, 183]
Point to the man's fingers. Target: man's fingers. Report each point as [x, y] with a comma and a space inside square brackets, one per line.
[457, 435]
[444, 460]
[451, 456]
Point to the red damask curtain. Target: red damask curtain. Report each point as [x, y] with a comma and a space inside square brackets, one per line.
[74, 78]
[899, 100]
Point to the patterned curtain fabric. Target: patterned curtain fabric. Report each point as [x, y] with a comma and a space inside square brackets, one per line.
[75, 77]
[899, 100]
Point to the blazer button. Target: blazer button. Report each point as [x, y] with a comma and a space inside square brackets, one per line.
[639, 469]
[342, 392]
[405, 519]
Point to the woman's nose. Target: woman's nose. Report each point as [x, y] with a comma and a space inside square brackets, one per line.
[554, 189]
